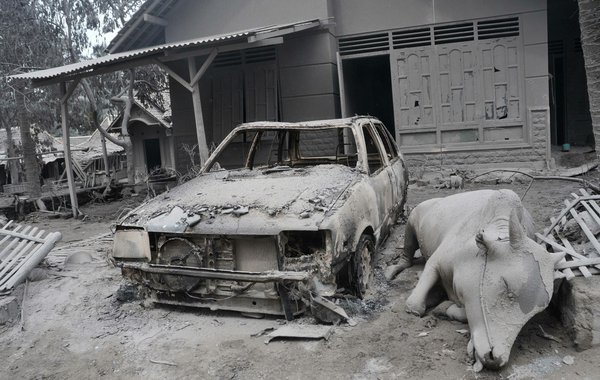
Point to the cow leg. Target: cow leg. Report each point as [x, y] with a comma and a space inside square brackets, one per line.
[411, 244]
[450, 310]
[417, 301]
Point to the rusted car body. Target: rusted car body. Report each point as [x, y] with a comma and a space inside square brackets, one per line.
[283, 214]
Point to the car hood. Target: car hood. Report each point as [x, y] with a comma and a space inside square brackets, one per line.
[248, 202]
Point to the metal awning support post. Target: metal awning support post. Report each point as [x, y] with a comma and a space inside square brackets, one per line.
[65, 94]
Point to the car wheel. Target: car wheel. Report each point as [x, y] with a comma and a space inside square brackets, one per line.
[362, 265]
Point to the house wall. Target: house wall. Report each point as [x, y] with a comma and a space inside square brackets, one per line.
[308, 83]
[192, 19]
[356, 18]
[140, 132]
[306, 62]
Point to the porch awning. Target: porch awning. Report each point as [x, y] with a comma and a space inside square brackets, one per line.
[244, 39]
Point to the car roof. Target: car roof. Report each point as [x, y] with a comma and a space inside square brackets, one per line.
[316, 124]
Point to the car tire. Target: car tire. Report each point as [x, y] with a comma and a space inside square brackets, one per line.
[362, 265]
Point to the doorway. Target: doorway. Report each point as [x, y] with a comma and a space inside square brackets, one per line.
[368, 87]
[152, 152]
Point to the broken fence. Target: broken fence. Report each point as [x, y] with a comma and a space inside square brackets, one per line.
[22, 248]
[575, 232]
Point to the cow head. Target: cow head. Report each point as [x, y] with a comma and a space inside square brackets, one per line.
[515, 281]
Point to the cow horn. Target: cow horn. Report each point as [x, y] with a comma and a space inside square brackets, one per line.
[515, 229]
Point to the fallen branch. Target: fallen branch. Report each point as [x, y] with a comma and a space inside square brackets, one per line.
[163, 362]
[22, 321]
[543, 177]
[545, 335]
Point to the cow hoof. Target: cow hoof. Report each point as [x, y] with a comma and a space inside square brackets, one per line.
[416, 308]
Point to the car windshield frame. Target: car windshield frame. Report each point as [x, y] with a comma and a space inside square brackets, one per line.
[234, 135]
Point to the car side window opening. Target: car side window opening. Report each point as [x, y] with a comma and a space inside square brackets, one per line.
[388, 145]
[374, 154]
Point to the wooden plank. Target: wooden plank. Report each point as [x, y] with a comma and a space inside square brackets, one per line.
[16, 229]
[568, 272]
[586, 230]
[13, 257]
[583, 269]
[565, 211]
[67, 148]
[175, 76]
[593, 203]
[561, 248]
[9, 247]
[203, 68]
[591, 211]
[597, 213]
[342, 87]
[18, 258]
[198, 117]
[21, 235]
[577, 263]
[151, 19]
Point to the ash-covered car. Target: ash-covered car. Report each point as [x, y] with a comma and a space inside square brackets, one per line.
[282, 216]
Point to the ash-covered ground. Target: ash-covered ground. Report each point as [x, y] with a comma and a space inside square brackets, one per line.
[77, 324]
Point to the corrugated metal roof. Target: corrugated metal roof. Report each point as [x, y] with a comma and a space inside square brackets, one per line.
[157, 51]
[127, 55]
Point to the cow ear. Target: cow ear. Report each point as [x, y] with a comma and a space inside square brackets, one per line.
[515, 229]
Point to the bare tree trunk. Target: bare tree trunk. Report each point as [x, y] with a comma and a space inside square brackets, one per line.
[589, 14]
[32, 168]
[128, 100]
[126, 142]
[105, 158]
[13, 165]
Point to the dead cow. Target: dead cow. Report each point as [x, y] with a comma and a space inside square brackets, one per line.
[478, 246]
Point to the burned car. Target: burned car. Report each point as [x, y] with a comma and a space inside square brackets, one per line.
[282, 216]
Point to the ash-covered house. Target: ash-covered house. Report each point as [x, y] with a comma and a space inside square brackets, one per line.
[87, 159]
[455, 81]
[48, 149]
[150, 131]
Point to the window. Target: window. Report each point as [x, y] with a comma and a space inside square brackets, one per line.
[373, 153]
[327, 145]
[267, 148]
[388, 144]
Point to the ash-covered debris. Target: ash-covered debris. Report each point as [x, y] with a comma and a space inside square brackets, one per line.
[128, 292]
[375, 301]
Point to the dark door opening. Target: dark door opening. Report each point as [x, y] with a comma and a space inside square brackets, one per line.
[368, 87]
[569, 104]
[557, 101]
[152, 152]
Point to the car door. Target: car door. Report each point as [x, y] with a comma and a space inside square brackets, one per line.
[379, 178]
[397, 168]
